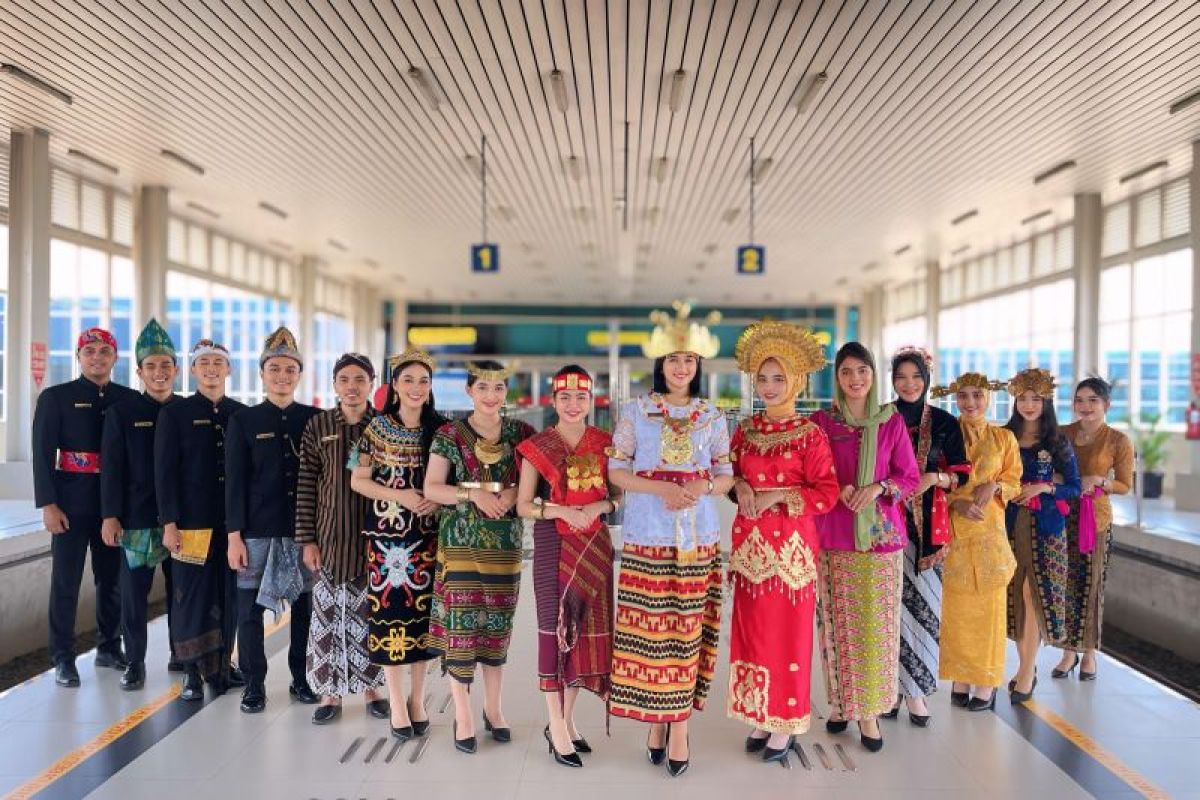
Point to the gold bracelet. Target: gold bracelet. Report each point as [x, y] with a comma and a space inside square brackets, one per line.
[462, 495]
[615, 505]
[541, 510]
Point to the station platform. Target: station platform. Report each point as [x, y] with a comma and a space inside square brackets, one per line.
[1123, 736]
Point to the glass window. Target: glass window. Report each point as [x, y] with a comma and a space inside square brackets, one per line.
[1147, 220]
[88, 287]
[1115, 238]
[333, 337]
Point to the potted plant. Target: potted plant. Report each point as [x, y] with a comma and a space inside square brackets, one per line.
[1151, 447]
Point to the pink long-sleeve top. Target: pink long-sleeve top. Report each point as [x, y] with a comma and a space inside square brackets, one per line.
[894, 461]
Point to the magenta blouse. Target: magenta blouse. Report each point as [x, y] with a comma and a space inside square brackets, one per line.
[894, 461]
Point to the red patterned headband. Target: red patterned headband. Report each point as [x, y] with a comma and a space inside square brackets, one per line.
[94, 336]
[571, 382]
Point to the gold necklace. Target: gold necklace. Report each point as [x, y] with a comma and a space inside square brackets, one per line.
[489, 452]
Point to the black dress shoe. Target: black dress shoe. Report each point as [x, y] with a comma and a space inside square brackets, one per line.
[960, 699]
[677, 768]
[982, 705]
[581, 745]
[770, 754]
[379, 709]
[65, 673]
[193, 686]
[836, 725]
[499, 734]
[326, 714]
[175, 665]
[236, 679]
[254, 697]
[218, 685]
[134, 677]
[1020, 697]
[467, 745]
[1059, 674]
[658, 755]
[111, 660]
[872, 744]
[755, 744]
[303, 694]
[920, 720]
[566, 759]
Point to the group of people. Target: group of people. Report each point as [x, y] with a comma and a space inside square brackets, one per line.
[915, 541]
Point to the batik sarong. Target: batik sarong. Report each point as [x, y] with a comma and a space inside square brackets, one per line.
[338, 662]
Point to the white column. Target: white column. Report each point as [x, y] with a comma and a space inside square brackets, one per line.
[151, 212]
[306, 333]
[933, 304]
[1187, 485]
[614, 359]
[840, 324]
[399, 326]
[1089, 219]
[28, 281]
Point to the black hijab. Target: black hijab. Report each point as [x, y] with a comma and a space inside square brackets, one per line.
[912, 411]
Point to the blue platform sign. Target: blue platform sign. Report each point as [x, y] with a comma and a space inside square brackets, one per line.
[485, 257]
[751, 259]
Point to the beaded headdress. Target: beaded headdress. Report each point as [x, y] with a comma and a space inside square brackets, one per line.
[912, 350]
[680, 334]
[281, 343]
[481, 374]
[413, 355]
[153, 341]
[795, 347]
[207, 347]
[1038, 381]
[572, 382]
[967, 380]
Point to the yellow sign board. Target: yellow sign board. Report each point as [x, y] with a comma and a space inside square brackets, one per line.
[624, 338]
[442, 336]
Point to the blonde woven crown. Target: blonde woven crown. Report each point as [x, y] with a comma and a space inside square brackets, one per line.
[679, 334]
[1039, 381]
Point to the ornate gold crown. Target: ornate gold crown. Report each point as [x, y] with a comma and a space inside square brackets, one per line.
[413, 355]
[967, 380]
[679, 334]
[797, 348]
[480, 374]
[1038, 381]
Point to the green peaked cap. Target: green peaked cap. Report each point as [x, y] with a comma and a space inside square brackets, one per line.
[154, 341]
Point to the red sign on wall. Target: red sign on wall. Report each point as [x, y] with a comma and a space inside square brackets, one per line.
[1195, 375]
[37, 363]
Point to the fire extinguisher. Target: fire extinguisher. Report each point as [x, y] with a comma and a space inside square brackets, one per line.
[1193, 421]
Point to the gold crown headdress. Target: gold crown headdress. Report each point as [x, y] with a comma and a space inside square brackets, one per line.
[795, 347]
[968, 380]
[909, 350]
[1038, 381]
[481, 374]
[413, 355]
[679, 334]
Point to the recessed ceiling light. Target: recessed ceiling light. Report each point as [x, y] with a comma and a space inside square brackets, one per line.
[958, 251]
[558, 88]
[270, 209]
[675, 98]
[1037, 216]
[574, 166]
[961, 218]
[870, 267]
[205, 210]
[710, 248]
[807, 91]
[182, 160]
[426, 87]
[1146, 170]
[902, 250]
[662, 168]
[1050, 173]
[372, 263]
[95, 162]
[38, 83]
[731, 215]
[336, 245]
[1185, 102]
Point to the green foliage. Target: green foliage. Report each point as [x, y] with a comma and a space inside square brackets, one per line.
[1149, 442]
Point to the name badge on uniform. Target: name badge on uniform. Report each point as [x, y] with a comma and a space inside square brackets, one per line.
[202, 422]
[333, 437]
[145, 423]
[265, 436]
[83, 405]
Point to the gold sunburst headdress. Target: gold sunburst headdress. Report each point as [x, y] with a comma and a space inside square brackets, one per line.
[975, 380]
[480, 374]
[681, 334]
[796, 348]
[413, 355]
[1038, 381]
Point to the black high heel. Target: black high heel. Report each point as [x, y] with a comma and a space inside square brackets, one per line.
[1059, 674]
[1020, 697]
[658, 754]
[755, 744]
[467, 745]
[770, 754]
[976, 704]
[421, 727]
[836, 725]
[919, 720]
[872, 744]
[960, 699]
[895, 712]
[581, 745]
[568, 759]
[677, 768]
[499, 734]
[1086, 676]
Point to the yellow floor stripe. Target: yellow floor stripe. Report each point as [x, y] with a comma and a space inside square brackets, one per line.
[1088, 745]
[102, 740]
[111, 734]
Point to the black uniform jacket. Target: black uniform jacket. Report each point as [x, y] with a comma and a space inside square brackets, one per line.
[127, 453]
[189, 461]
[263, 463]
[69, 417]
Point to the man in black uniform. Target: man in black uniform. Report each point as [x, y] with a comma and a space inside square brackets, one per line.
[68, 424]
[189, 479]
[127, 499]
[260, 511]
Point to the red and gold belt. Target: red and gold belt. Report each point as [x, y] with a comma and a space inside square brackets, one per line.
[674, 477]
[79, 461]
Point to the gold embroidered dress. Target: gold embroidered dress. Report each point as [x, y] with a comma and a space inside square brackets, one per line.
[773, 569]
[979, 562]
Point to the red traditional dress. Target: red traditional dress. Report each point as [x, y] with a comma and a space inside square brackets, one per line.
[572, 570]
[773, 569]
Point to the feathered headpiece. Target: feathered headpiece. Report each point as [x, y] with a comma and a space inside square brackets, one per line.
[975, 380]
[679, 334]
[795, 347]
[1038, 381]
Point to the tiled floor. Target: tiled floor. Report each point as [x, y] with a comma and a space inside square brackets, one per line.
[222, 753]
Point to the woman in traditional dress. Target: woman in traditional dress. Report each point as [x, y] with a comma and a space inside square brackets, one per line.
[473, 471]
[1106, 462]
[979, 562]
[862, 564]
[785, 478]
[564, 488]
[388, 466]
[938, 444]
[670, 455]
[1036, 521]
